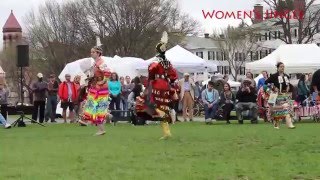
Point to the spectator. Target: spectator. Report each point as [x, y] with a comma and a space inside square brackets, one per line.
[39, 89]
[308, 80]
[136, 91]
[187, 86]
[114, 86]
[263, 79]
[52, 99]
[315, 82]
[246, 97]
[280, 80]
[227, 100]
[197, 91]
[4, 94]
[4, 122]
[210, 98]
[68, 95]
[126, 90]
[249, 75]
[226, 78]
[303, 89]
[76, 103]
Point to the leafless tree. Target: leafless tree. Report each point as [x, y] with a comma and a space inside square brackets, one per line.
[236, 43]
[59, 34]
[132, 28]
[305, 17]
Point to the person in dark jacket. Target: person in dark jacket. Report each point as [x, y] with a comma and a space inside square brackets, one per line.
[227, 100]
[40, 89]
[303, 90]
[247, 100]
[280, 79]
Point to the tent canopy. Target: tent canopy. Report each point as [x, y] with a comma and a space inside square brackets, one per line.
[124, 66]
[297, 58]
[183, 60]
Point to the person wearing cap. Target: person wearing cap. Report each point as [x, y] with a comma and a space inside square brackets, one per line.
[39, 89]
[52, 99]
[187, 86]
[68, 94]
[247, 100]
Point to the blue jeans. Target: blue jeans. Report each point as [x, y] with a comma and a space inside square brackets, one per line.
[51, 107]
[210, 112]
[2, 120]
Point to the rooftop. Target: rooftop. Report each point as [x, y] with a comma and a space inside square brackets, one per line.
[195, 42]
[12, 24]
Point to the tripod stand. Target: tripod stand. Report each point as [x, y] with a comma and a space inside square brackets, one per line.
[22, 117]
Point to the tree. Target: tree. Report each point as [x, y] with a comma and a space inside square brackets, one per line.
[236, 43]
[13, 73]
[296, 14]
[132, 28]
[59, 34]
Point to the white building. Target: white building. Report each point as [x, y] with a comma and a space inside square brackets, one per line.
[209, 49]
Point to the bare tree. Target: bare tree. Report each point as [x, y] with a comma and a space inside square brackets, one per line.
[59, 34]
[132, 28]
[303, 16]
[236, 43]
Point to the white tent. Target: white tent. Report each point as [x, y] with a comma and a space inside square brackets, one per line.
[297, 58]
[124, 66]
[183, 60]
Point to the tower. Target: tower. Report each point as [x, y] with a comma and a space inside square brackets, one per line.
[12, 32]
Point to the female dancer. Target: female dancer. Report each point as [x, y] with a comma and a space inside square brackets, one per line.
[279, 98]
[97, 102]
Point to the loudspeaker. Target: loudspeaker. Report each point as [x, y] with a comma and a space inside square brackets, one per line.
[22, 55]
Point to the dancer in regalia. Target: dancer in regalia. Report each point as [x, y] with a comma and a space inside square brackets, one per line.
[160, 91]
[97, 100]
[279, 98]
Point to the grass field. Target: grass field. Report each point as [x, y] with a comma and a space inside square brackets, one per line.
[196, 151]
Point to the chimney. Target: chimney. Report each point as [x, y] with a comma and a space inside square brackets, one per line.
[206, 35]
[258, 13]
[299, 8]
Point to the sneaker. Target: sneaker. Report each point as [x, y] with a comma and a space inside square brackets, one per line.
[292, 127]
[99, 133]
[7, 126]
[276, 127]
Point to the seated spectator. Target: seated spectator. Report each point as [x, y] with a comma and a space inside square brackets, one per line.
[303, 90]
[210, 98]
[246, 97]
[227, 100]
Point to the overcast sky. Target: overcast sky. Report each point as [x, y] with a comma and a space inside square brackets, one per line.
[192, 7]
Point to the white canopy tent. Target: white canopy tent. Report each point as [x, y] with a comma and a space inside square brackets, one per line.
[297, 58]
[124, 66]
[183, 60]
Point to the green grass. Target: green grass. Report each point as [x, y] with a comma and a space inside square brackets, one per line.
[196, 151]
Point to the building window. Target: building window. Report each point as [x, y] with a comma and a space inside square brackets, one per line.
[279, 34]
[225, 57]
[10, 37]
[211, 55]
[242, 70]
[226, 70]
[275, 35]
[265, 36]
[219, 56]
[4, 37]
[220, 69]
[295, 33]
[269, 35]
[260, 37]
[200, 54]
[251, 55]
[267, 52]
[318, 44]
[240, 56]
